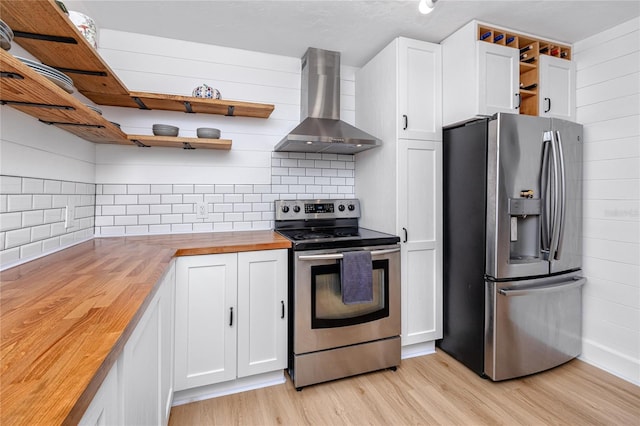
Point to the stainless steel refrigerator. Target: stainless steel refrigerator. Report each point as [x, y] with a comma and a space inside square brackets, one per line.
[512, 244]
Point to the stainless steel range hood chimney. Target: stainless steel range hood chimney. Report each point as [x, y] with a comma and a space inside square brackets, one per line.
[321, 129]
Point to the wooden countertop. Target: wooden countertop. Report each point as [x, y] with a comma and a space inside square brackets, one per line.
[64, 318]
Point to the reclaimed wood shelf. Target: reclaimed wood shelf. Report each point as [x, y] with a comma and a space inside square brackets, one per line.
[41, 28]
[179, 142]
[28, 91]
[190, 104]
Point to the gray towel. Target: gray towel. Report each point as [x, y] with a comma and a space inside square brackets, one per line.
[356, 273]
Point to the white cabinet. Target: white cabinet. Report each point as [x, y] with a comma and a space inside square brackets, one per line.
[205, 330]
[104, 408]
[479, 78]
[498, 79]
[229, 316]
[146, 383]
[138, 390]
[420, 218]
[557, 96]
[399, 183]
[419, 100]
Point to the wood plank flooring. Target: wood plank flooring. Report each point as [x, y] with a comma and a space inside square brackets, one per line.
[429, 390]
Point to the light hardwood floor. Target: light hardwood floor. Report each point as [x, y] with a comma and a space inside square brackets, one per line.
[432, 389]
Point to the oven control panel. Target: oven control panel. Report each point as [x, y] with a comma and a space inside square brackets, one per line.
[317, 209]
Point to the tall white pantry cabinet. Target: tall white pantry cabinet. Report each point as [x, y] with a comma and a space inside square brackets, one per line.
[399, 99]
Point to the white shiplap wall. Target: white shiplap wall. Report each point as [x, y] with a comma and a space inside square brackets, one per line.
[154, 64]
[608, 104]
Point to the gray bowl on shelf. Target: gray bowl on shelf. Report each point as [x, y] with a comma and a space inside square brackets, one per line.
[208, 132]
[164, 130]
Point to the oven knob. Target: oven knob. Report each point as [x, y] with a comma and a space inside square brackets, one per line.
[285, 209]
[352, 207]
[341, 207]
[296, 209]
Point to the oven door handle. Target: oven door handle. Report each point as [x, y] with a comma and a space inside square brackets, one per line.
[334, 256]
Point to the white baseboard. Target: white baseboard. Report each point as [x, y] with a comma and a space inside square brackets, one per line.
[227, 388]
[418, 349]
[613, 362]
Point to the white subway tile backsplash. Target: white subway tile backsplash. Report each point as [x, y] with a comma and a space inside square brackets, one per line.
[52, 215]
[19, 202]
[100, 200]
[32, 218]
[40, 232]
[165, 208]
[43, 201]
[149, 199]
[32, 186]
[138, 189]
[104, 221]
[114, 210]
[10, 185]
[17, 237]
[183, 189]
[9, 221]
[52, 187]
[125, 199]
[50, 244]
[112, 230]
[68, 187]
[57, 229]
[161, 189]
[30, 250]
[3, 203]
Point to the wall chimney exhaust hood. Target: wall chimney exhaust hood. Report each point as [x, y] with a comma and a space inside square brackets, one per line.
[321, 129]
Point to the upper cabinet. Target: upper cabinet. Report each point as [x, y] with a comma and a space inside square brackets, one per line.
[487, 70]
[41, 28]
[557, 94]
[419, 98]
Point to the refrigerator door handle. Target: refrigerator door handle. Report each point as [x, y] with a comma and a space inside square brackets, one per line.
[555, 199]
[544, 189]
[576, 282]
[562, 196]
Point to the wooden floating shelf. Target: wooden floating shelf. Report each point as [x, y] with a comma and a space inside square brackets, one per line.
[180, 142]
[30, 92]
[47, 33]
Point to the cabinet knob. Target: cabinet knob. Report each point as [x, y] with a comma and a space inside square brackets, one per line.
[548, 101]
[406, 235]
[406, 121]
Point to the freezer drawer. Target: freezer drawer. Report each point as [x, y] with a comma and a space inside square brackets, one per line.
[532, 325]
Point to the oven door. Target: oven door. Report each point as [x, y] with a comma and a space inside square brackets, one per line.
[322, 321]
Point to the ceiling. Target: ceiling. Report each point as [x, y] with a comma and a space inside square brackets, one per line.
[356, 28]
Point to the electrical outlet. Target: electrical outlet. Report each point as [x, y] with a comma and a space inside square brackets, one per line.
[69, 216]
[202, 211]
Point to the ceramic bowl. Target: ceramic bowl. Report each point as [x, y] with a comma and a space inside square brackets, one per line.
[206, 92]
[86, 26]
[208, 132]
[164, 130]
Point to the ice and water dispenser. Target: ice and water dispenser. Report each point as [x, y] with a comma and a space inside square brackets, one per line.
[525, 214]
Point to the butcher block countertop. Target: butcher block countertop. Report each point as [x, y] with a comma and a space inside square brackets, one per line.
[65, 318]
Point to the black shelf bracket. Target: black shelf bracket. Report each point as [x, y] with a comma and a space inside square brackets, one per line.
[37, 105]
[230, 110]
[45, 37]
[188, 108]
[141, 104]
[8, 74]
[62, 123]
[187, 145]
[139, 144]
[83, 72]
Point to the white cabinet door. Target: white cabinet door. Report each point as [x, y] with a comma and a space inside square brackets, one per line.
[262, 316]
[206, 320]
[103, 410]
[420, 91]
[420, 227]
[167, 312]
[141, 363]
[557, 96]
[498, 79]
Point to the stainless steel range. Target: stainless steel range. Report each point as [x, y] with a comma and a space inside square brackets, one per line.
[332, 337]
